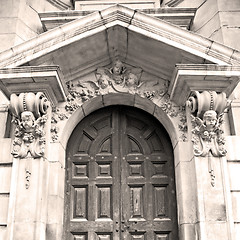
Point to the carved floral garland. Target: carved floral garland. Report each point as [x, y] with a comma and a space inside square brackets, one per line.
[118, 79]
[29, 136]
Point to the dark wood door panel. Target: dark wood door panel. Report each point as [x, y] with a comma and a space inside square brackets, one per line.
[119, 178]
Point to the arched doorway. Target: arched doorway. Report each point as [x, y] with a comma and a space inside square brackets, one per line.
[120, 178]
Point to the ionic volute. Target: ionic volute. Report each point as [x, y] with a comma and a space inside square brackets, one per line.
[207, 110]
[30, 113]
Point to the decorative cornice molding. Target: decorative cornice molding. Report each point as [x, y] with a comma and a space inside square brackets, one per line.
[173, 3]
[60, 4]
[182, 17]
[202, 77]
[47, 79]
[125, 17]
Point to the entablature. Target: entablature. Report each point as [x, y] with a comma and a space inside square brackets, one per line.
[46, 79]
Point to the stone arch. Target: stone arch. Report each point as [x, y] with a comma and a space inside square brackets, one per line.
[126, 99]
[185, 182]
[119, 99]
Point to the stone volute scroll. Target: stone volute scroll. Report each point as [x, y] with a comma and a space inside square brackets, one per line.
[207, 118]
[29, 115]
[29, 111]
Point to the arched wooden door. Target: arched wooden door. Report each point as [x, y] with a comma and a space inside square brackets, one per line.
[120, 178]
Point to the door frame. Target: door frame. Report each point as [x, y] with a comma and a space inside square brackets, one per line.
[185, 173]
[120, 157]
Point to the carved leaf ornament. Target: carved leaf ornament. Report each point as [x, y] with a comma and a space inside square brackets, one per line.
[120, 79]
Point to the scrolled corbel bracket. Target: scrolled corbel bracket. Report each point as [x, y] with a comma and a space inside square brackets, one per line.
[207, 110]
[30, 113]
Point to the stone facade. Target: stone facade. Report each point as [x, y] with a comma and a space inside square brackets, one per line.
[62, 60]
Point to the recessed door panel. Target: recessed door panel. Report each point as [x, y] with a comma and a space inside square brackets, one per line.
[118, 179]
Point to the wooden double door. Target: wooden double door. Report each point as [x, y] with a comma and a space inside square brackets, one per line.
[120, 178]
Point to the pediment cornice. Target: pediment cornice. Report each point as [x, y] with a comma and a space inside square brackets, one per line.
[134, 21]
[181, 17]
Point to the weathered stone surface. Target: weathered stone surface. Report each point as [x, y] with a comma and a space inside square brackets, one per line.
[183, 156]
[3, 117]
[3, 232]
[189, 3]
[186, 194]
[234, 169]
[233, 5]
[217, 230]
[202, 77]
[230, 34]
[237, 230]
[119, 99]
[5, 178]
[89, 107]
[56, 154]
[232, 145]
[67, 129]
[204, 14]
[236, 206]
[211, 28]
[180, 16]
[187, 231]
[4, 202]
[144, 104]
[5, 150]
[136, 4]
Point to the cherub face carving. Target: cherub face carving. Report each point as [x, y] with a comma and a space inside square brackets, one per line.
[117, 67]
[210, 119]
[131, 80]
[103, 81]
[27, 120]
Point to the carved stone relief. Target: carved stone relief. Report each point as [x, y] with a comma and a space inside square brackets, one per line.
[57, 116]
[207, 119]
[30, 115]
[120, 79]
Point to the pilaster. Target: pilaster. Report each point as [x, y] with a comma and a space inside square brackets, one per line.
[34, 166]
[205, 89]
[27, 208]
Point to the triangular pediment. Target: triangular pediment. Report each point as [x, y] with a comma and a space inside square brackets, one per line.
[139, 40]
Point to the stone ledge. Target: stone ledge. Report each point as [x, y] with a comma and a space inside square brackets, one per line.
[202, 77]
[46, 79]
